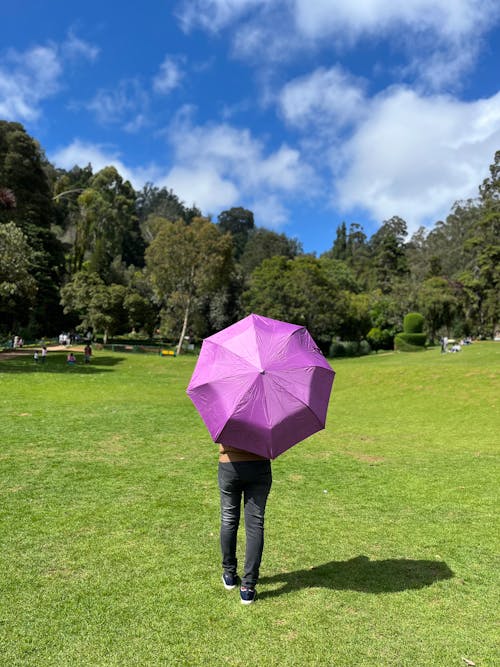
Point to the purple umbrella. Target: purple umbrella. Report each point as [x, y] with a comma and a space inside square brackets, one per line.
[261, 385]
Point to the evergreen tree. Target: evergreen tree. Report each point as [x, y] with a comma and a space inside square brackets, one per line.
[388, 254]
[339, 248]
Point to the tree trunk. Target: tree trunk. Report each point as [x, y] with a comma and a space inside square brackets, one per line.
[184, 328]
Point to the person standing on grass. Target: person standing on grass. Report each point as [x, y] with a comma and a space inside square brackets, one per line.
[88, 353]
[242, 475]
[44, 353]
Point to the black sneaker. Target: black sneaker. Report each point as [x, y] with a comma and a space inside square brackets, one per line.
[229, 580]
[247, 595]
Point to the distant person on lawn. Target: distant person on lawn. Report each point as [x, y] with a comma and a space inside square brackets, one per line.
[88, 353]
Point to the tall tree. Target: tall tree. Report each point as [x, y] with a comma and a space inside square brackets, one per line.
[263, 244]
[443, 252]
[17, 286]
[99, 306]
[388, 253]
[68, 185]
[357, 252]
[107, 225]
[484, 243]
[339, 248]
[153, 202]
[300, 290]
[239, 223]
[187, 263]
[23, 173]
[438, 303]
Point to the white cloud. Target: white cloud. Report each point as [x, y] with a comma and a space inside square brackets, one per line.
[431, 34]
[74, 47]
[270, 212]
[345, 18]
[452, 20]
[136, 123]
[415, 156]
[26, 79]
[169, 76]
[82, 153]
[124, 104]
[214, 14]
[202, 186]
[216, 166]
[235, 153]
[328, 97]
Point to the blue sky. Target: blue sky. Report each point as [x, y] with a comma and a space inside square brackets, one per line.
[307, 112]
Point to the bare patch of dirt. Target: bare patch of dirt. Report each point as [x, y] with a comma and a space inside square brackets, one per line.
[365, 458]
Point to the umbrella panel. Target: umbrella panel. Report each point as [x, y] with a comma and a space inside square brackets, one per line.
[269, 427]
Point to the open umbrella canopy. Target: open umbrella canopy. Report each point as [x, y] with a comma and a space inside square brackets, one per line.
[261, 385]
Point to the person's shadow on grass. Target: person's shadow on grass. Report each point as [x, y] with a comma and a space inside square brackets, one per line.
[361, 574]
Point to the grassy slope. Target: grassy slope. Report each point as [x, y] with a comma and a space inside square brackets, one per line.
[381, 539]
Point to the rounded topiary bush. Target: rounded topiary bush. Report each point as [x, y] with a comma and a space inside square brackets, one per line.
[409, 342]
[413, 323]
[412, 339]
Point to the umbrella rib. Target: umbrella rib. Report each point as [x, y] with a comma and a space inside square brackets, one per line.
[224, 377]
[236, 354]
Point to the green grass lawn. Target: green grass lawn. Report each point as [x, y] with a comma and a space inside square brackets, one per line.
[381, 534]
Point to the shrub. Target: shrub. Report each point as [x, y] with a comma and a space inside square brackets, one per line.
[413, 323]
[412, 339]
[337, 349]
[380, 339]
[349, 348]
[409, 342]
[364, 348]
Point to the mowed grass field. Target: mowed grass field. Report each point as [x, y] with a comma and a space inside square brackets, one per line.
[382, 535]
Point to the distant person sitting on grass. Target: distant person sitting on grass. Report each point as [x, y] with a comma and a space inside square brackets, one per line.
[35, 356]
[71, 359]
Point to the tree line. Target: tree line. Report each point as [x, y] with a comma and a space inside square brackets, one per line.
[86, 251]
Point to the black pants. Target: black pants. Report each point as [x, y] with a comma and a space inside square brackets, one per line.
[251, 480]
